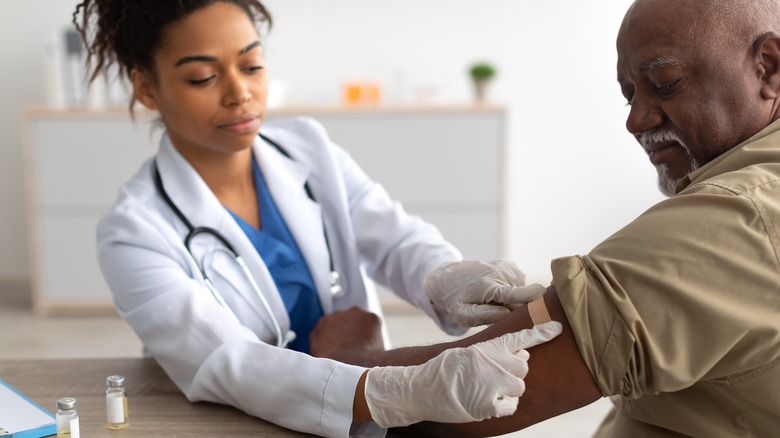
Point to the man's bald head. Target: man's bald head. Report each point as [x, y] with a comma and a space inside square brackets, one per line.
[701, 76]
[715, 24]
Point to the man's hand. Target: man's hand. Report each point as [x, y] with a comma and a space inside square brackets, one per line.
[477, 293]
[342, 333]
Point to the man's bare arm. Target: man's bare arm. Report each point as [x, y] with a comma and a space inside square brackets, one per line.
[558, 380]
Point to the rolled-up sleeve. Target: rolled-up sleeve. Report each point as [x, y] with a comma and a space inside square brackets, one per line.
[686, 292]
[604, 339]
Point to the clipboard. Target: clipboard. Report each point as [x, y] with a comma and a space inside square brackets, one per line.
[21, 417]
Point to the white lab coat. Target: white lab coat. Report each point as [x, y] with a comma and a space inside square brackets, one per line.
[158, 290]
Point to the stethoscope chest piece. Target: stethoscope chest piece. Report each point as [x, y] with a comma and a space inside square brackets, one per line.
[336, 284]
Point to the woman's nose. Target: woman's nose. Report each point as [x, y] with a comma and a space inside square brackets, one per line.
[237, 91]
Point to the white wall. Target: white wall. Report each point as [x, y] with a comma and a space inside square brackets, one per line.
[575, 176]
[24, 27]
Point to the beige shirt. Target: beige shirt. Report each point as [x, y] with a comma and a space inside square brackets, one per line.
[678, 313]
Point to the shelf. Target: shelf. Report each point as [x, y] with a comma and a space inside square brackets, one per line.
[292, 110]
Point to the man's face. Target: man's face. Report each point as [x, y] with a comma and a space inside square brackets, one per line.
[689, 102]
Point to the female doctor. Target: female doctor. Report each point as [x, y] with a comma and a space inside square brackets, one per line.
[227, 247]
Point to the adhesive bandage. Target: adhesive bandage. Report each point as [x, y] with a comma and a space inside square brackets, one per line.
[538, 311]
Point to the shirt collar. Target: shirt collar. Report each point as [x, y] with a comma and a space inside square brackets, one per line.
[762, 147]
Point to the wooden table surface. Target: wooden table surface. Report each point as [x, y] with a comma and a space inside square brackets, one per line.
[156, 407]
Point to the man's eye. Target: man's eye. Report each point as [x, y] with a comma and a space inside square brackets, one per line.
[667, 88]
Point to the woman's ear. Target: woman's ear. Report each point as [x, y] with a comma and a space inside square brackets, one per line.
[143, 88]
[767, 48]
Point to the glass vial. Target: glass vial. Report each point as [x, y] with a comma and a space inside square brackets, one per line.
[67, 418]
[116, 403]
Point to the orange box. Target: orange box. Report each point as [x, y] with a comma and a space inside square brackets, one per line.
[362, 93]
[353, 93]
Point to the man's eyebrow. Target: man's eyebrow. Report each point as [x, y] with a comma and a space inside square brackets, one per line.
[205, 58]
[659, 62]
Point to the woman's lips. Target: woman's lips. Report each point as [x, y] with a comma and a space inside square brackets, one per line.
[242, 125]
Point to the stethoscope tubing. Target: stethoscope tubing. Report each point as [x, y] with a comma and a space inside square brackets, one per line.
[282, 340]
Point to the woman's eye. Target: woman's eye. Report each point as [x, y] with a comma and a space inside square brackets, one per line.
[255, 68]
[200, 81]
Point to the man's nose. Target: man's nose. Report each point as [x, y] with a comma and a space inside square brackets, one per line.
[644, 116]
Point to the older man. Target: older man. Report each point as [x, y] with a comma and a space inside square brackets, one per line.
[677, 315]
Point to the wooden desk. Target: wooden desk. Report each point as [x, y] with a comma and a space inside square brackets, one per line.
[156, 406]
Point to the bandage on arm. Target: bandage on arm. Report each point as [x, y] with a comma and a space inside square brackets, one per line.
[537, 310]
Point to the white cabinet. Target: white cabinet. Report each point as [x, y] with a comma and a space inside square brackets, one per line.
[75, 162]
[444, 164]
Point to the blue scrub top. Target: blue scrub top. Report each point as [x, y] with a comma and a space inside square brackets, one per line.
[285, 263]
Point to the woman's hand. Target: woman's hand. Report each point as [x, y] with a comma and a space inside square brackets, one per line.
[346, 333]
[460, 385]
[476, 293]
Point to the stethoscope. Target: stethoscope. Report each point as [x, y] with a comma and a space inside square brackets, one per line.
[336, 283]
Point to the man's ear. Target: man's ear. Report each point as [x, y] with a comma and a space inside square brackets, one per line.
[767, 50]
[143, 88]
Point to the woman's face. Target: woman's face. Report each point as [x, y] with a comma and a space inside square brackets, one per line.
[210, 83]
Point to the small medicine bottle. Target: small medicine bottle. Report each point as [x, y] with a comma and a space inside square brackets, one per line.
[67, 418]
[116, 403]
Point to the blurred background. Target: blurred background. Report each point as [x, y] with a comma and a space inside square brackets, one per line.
[566, 172]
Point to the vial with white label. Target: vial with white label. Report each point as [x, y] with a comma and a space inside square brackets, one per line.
[67, 419]
[116, 403]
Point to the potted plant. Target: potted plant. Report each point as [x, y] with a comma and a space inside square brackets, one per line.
[481, 74]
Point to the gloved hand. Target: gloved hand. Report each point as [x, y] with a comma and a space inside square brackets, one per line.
[460, 385]
[477, 293]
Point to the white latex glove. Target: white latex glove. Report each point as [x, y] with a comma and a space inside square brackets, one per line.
[476, 293]
[460, 385]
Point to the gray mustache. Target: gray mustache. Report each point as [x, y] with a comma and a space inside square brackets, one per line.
[660, 136]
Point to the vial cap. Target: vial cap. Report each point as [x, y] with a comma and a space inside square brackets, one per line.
[115, 381]
[66, 403]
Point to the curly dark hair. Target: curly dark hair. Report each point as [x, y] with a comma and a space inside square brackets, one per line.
[128, 33]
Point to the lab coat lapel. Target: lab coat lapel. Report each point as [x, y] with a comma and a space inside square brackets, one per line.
[286, 178]
[201, 207]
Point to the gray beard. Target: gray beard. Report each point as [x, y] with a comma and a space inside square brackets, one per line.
[668, 185]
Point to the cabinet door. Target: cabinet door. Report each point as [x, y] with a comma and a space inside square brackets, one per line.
[76, 165]
[81, 161]
[70, 274]
[444, 167]
[426, 159]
